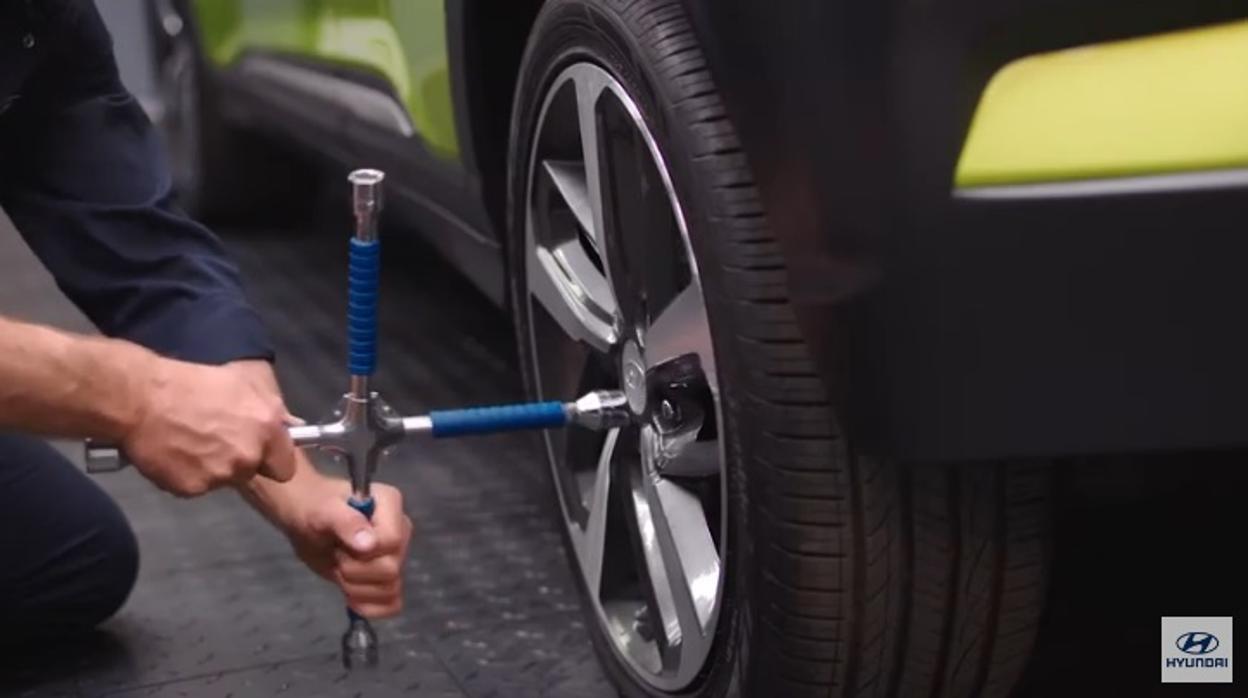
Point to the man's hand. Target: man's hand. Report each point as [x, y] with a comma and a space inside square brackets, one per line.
[202, 427]
[365, 559]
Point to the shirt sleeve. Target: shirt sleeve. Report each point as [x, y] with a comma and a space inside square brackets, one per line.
[83, 177]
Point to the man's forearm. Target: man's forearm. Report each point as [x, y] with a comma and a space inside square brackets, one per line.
[63, 384]
[279, 502]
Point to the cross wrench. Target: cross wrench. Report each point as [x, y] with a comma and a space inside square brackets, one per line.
[365, 426]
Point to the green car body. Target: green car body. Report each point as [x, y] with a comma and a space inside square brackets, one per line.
[402, 42]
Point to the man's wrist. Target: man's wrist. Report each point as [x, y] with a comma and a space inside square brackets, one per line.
[259, 372]
[125, 376]
[280, 502]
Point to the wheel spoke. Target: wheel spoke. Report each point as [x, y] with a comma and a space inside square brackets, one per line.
[686, 544]
[681, 329]
[589, 88]
[569, 180]
[566, 283]
[668, 622]
[643, 239]
[680, 554]
[590, 542]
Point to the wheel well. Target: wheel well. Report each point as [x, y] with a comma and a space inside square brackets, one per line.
[494, 35]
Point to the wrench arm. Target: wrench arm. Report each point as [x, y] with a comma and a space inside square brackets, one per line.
[312, 435]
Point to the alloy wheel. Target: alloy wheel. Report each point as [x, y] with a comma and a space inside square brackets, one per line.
[615, 301]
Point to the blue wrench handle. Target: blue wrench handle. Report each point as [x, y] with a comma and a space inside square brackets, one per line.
[489, 420]
[365, 507]
[363, 279]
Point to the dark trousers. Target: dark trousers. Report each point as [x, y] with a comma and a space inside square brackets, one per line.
[68, 558]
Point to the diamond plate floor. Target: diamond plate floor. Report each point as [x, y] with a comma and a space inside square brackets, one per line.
[222, 608]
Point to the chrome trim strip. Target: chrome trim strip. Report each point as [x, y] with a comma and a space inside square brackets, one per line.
[369, 105]
[1116, 186]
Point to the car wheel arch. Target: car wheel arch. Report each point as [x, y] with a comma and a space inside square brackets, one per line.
[487, 40]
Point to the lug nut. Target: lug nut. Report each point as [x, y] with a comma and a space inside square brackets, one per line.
[669, 413]
[642, 625]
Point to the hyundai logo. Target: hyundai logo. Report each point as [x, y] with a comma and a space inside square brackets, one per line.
[1196, 643]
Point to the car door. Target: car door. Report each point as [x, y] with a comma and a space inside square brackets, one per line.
[406, 124]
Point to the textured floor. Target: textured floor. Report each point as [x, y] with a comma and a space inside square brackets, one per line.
[223, 609]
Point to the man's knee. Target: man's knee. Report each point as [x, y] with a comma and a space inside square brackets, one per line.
[117, 553]
[78, 586]
[75, 560]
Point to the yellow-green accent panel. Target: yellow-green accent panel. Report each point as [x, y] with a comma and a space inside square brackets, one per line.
[403, 41]
[1162, 104]
[229, 27]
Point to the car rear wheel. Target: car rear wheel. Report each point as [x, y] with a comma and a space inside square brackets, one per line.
[218, 172]
[732, 543]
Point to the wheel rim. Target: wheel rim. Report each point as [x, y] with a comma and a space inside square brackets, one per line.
[615, 301]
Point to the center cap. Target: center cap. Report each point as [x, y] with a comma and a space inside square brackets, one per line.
[633, 369]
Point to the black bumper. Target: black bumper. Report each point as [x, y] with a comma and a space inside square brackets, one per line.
[955, 329]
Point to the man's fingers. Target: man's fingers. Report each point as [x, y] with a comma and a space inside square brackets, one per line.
[378, 610]
[279, 456]
[380, 569]
[354, 532]
[372, 600]
[389, 531]
[394, 527]
[363, 592]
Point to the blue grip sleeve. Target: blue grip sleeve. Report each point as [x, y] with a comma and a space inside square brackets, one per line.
[365, 506]
[488, 420]
[363, 275]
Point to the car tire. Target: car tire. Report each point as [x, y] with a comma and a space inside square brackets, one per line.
[219, 173]
[844, 575]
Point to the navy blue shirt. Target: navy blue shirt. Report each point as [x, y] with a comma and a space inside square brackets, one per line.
[83, 177]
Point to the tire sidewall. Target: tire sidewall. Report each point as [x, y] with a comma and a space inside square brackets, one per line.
[570, 31]
[189, 171]
[192, 180]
